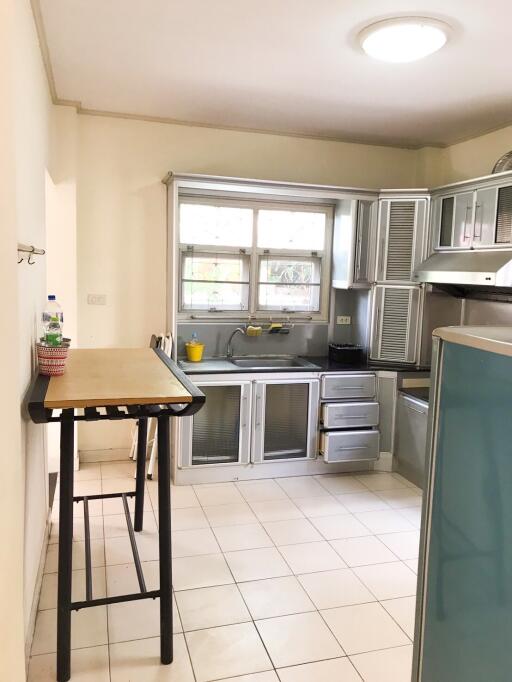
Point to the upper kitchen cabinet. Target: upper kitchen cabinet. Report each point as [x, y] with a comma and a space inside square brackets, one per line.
[473, 218]
[402, 233]
[355, 228]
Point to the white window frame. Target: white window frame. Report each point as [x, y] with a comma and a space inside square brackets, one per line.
[255, 253]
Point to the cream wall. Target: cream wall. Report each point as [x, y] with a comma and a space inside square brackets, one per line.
[24, 116]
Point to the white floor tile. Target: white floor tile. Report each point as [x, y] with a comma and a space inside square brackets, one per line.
[313, 507]
[412, 564]
[122, 578]
[200, 571]
[380, 481]
[405, 481]
[137, 620]
[194, 542]
[390, 521]
[218, 493]
[344, 526]
[388, 581]
[292, 531]
[413, 515]
[275, 597]
[311, 557]
[257, 564]
[118, 485]
[404, 545]
[120, 469]
[230, 514]
[140, 662]
[182, 497]
[362, 502]
[115, 505]
[88, 628]
[334, 670]
[300, 638]
[402, 498]
[235, 538]
[119, 550]
[276, 510]
[78, 555]
[211, 607]
[389, 665]
[189, 518]
[87, 665]
[331, 589]
[363, 551]
[226, 652]
[269, 676]
[95, 529]
[403, 612]
[87, 487]
[89, 471]
[337, 484]
[115, 525]
[49, 586]
[364, 627]
[301, 486]
[261, 491]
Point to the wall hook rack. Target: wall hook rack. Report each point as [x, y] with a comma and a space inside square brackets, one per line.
[31, 250]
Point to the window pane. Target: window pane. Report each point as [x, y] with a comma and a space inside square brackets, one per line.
[214, 296]
[293, 297]
[291, 230]
[290, 270]
[215, 267]
[215, 225]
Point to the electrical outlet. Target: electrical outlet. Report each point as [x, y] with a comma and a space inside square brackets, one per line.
[97, 299]
[343, 319]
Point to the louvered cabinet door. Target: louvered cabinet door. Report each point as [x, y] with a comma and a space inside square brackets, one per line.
[395, 323]
[493, 217]
[402, 233]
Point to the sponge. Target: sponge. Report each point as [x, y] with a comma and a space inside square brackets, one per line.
[253, 331]
[275, 328]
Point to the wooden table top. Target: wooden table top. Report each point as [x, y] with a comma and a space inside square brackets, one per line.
[114, 376]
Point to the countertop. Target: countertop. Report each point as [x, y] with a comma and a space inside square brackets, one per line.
[422, 393]
[492, 339]
[324, 364]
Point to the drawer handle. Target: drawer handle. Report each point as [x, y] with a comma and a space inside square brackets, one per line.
[351, 416]
[356, 447]
[347, 388]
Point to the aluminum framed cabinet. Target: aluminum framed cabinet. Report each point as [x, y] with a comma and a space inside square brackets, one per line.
[396, 323]
[364, 258]
[402, 235]
[285, 419]
[221, 432]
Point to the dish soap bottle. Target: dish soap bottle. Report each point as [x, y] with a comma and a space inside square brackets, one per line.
[53, 320]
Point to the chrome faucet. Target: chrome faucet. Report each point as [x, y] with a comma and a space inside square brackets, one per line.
[229, 346]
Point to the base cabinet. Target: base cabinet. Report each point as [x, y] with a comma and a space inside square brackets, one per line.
[254, 422]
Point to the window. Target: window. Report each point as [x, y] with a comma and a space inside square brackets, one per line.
[253, 257]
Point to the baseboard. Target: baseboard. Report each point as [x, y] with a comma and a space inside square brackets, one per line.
[109, 455]
[37, 591]
[384, 463]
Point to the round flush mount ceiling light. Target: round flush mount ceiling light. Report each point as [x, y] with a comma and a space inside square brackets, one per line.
[403, 39]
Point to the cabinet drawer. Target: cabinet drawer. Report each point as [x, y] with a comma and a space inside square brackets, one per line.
[349, 415]
[348, 386]
[349, 446]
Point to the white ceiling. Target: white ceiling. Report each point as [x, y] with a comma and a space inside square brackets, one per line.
[283, 65]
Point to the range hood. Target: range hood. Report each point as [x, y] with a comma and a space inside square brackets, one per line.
[467, 268]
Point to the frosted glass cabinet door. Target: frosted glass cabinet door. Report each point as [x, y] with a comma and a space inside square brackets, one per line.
[220, 432]
[285, 418]
[467, 601]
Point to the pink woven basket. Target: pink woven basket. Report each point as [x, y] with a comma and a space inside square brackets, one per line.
[51, 359]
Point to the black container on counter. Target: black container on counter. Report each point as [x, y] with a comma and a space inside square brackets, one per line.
[346, 353]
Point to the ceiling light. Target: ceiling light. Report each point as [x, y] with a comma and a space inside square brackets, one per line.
[403, 39]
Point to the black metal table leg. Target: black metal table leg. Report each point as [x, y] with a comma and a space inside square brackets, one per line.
[142, 436]
[164, 531]
[67, 431]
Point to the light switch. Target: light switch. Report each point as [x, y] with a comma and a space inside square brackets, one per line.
[343, 319]
[97, 299]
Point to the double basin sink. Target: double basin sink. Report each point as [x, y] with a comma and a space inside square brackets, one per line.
[253, 363]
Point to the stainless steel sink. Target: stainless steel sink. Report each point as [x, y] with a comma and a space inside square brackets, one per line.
[273, 363]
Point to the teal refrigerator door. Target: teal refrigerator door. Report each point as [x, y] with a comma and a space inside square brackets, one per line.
[467, 635]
